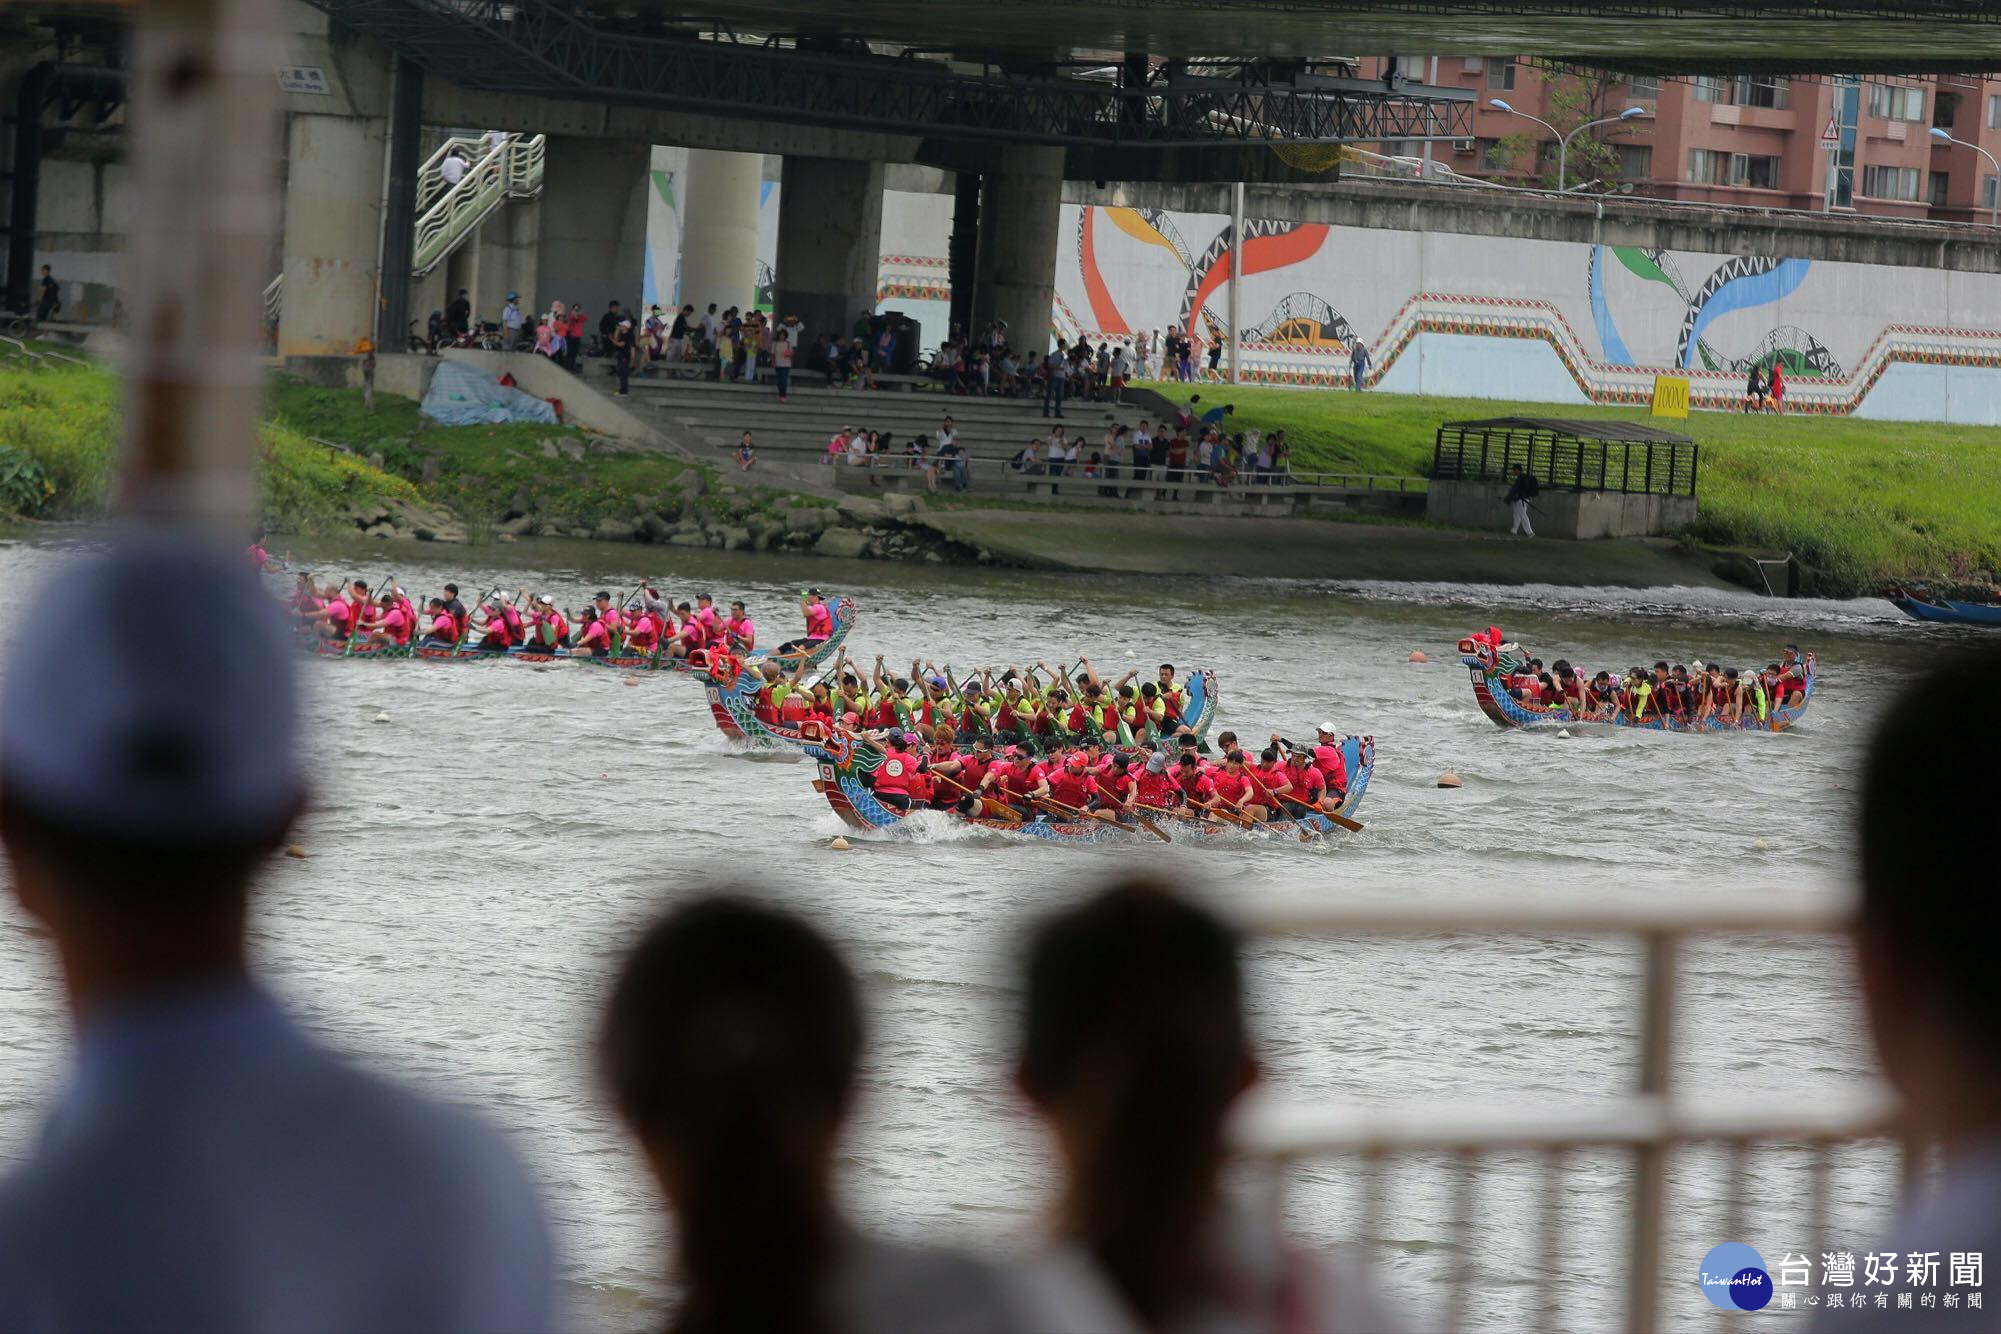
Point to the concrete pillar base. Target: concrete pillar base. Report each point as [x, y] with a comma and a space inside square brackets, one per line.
[333, 218]
[719, 229]
[1021, 213]
[505, 252]
[829, 243]
[590, 238]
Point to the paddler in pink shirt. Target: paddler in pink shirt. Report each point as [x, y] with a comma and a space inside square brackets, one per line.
[742, 635]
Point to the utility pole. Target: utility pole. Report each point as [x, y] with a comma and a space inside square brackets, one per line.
[203, 94]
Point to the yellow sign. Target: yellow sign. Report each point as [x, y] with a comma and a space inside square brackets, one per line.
[1670, 396]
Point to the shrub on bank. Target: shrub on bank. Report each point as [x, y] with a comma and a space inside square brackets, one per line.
[58, 440]
[308, 488]
[59, 430]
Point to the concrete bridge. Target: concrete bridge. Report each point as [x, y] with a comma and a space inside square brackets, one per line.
[1161, 129]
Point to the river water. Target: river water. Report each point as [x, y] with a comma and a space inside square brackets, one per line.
[478, 857]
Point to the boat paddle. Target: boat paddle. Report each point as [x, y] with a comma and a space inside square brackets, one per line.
[999, 809]
[1051, 804]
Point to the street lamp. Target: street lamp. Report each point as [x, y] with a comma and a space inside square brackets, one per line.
[1562, 139]
[1993, 209]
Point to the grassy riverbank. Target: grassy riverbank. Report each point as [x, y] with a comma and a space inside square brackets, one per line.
[1862, 502]
[59, 430]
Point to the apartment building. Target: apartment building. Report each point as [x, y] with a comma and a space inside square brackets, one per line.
[1861, 144]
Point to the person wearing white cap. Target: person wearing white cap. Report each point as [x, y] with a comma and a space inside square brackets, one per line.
[210, 1166]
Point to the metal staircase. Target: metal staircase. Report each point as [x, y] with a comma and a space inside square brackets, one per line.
[500, 167]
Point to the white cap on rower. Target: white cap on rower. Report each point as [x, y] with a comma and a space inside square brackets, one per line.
[136, 743]
[1328, 728]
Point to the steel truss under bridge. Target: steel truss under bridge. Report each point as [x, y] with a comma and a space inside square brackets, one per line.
[537, 48]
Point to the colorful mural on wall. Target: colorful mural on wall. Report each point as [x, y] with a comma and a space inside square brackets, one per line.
[1486, 317]
[1463, 315]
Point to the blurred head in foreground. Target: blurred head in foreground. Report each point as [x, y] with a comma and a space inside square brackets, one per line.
[140, 787]
[1930, 914]
[729, 1047]
[1135, 1048]
[231, 1172]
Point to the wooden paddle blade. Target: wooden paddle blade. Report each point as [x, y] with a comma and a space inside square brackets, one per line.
[1352, 826]
[1152, 828]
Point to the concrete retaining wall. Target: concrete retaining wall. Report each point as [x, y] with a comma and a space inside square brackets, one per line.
[1565, 514]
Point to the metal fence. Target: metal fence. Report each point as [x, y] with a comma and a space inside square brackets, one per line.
[1476, 452]
[1648, 1127]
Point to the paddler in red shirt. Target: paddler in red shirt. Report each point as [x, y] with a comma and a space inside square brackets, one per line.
[1008, 782]
[1198, 790]
[1154, 787]
[1326, 754]
[1068, 784]
[1233, 788]
[1308, 791]
[893, 775]
[961, 777]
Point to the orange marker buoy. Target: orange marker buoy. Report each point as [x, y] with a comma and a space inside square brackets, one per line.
[1451, 780]
[1417, 655]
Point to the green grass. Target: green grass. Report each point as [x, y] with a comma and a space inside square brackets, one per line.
[1861, 502]
[59, 429]
[485, 473]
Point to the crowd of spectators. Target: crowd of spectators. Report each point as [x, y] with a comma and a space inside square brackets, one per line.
[934, 454]
[1193, 449]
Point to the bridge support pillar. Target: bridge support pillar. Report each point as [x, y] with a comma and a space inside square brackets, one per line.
[590, 230]
[1021, 211]
[829, 243]
[505, 252]
[333, 224]
[719, 229]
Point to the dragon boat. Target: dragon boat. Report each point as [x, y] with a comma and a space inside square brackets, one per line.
[1492, 664]
[843, 612]
[1943, 611]
[733, 685]
[844, 764]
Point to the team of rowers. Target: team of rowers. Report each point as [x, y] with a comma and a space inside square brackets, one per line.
[641, 625]
[1089, 779]
[1026, 743]
[1677, 694]
[1037, 707]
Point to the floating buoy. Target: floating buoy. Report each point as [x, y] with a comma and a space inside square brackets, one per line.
[839, 844]
[1417, 655]
[1762, 845]
[381, 717]
[296, 851]
[1451, 780]
[1563, 732]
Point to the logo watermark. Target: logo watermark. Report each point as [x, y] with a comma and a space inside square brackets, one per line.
[1734, 1278]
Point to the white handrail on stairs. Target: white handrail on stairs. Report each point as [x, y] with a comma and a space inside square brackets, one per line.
[511, 169]
[502, 167]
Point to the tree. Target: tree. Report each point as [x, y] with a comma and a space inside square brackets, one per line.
[1571, 99]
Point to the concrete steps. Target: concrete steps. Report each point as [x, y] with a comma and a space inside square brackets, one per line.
[717, 414]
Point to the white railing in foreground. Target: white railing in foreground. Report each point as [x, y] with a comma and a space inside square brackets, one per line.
[1648, 1123]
